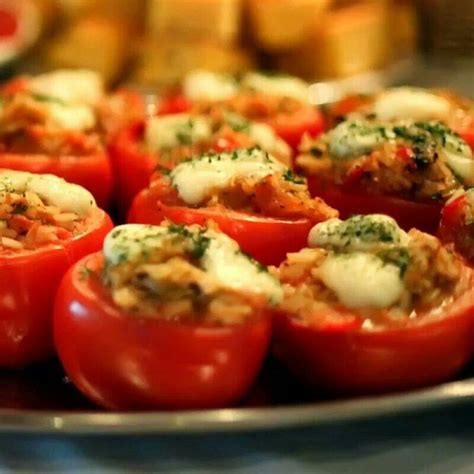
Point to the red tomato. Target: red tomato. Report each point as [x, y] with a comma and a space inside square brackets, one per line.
[28, 284]
[132, 164]
[93, 172]
[121, 361]
[292, 127]
[468, 136]
[455, 226]
[266, 239]
[356, 361]
[173, 105]
[422, 215]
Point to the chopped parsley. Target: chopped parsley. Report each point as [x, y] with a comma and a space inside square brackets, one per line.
[293, 178]
[397, 256]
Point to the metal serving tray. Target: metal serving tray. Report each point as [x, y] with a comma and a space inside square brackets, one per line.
[41, 400]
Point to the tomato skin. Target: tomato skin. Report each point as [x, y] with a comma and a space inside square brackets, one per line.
[292, 127]
[133, 166]
[424, 216]
[93, 172]
[124, 362]
[266, 239]
[28, 285]
[174, 104]
[468, 136]
[357, 361]
[453, 228]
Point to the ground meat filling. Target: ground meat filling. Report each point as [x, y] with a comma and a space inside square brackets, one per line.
[406, 163]
[253, 106]
[28, 222]
[281, 195]
[25, 128]
[431, 276]
[169, 283]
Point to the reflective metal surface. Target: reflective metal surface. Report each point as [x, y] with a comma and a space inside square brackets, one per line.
[41, 401]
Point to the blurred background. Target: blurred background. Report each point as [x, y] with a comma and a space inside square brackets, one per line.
[340, 45]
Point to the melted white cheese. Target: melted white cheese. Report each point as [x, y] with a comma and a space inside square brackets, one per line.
[53, 190]
[209, 86]
[70, 117]
[78, 86]
[357, 233]
[361, 280]
[168, 131]
[459, 159]
[222, 259]
[354, 138]
[279, 86]
[411, 103]
[195, 180]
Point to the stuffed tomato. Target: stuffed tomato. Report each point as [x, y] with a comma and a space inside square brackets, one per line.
[50, 124]
[46, 225]
[252, 197]
[164, 141]
[370, 308]
[457, 224]
[407, 170]
[282, 102]
[165, 317]
[410, 103]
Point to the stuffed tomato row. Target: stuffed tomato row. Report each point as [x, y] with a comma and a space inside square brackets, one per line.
[46, 225]
[281, 102]
[365, 308]
[253, 198]
[404, 169]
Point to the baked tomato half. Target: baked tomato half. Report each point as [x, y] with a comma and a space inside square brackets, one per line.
[259, 202]
[165, 141]
[364, 311]
[407, 170]
[48, 225]
[350, 200]
[292, 126]
[180, 348]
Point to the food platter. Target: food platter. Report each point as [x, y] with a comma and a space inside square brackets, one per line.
[41, 400]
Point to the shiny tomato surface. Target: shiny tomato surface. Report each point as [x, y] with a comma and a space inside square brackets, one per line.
[124, 362]
[28, 284]
[425, 216]
[266, 239]
[292, 127]
[349, 360]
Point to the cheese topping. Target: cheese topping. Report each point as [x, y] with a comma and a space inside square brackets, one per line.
[361, 280]
[71, 117]
[265, 137]
[221, 257]
[355, 138]
[195, 180]
[357, 233]
[459, 158]
[411, 103]
[55, 191]
[79, 86]
[168, 131]
[279, 86]
[209, 86]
